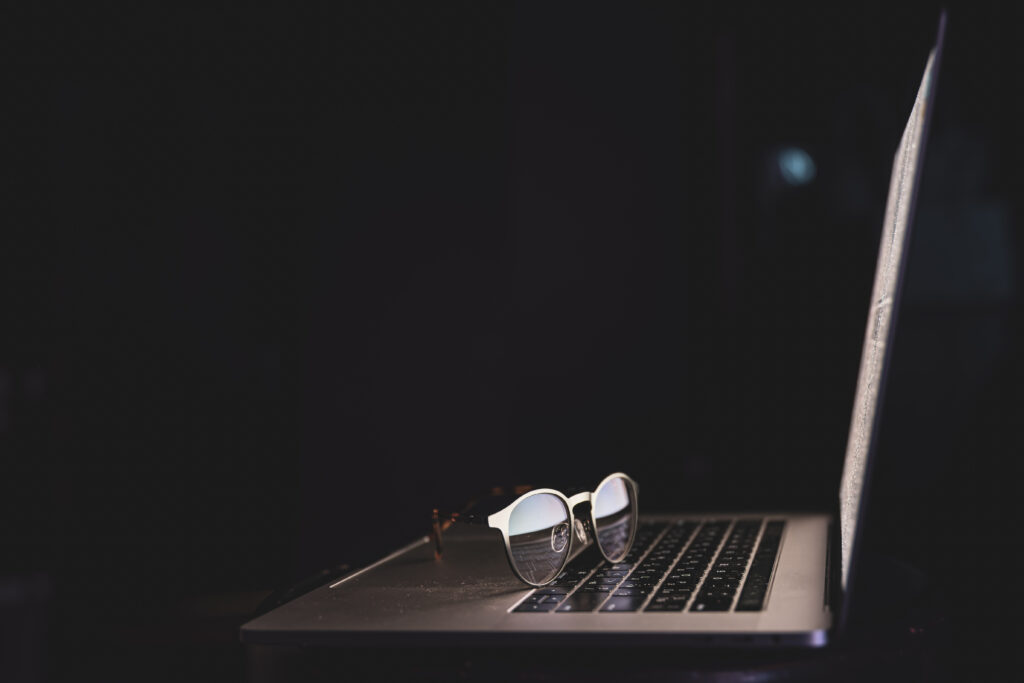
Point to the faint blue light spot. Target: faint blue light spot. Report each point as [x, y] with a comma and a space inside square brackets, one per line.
[796, 165]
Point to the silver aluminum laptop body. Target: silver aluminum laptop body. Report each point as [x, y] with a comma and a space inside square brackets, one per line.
[469, 596]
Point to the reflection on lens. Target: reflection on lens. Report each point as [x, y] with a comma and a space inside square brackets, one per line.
[614, 507]
[559, 537]
[538, 535]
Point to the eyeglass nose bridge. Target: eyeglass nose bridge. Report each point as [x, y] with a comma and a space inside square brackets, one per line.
[582, 528]
[584, 497]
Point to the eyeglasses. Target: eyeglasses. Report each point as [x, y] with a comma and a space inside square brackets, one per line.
[538, 526]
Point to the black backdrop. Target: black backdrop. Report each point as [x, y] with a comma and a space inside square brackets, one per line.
[278, 282]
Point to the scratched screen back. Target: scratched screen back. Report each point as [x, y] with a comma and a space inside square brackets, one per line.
[884, 299]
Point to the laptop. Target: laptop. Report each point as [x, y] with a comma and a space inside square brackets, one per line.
[765, 579]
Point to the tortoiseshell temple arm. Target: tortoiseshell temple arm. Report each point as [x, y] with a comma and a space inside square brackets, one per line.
[491, 502]
[443, 520]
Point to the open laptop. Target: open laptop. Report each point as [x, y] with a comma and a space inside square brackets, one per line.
[719, 579]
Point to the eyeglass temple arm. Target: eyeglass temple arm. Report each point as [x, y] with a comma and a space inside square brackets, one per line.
[443, 520]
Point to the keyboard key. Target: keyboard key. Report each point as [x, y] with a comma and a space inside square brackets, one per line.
[668, 603]
[611, 573]
[624, 603]
[637, 584]
[534, 607]
[666, 607]
[582, 602]
[711, 605]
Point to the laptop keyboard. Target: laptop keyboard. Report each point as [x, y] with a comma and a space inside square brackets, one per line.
[711, 566]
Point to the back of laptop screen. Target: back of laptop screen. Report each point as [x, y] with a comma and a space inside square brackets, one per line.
[882, 314]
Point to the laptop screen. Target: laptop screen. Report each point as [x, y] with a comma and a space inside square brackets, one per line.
[882, 312]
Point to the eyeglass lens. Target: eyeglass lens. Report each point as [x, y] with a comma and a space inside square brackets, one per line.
[539, 535]
[614, 517]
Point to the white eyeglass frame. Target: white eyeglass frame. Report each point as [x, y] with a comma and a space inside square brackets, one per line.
[500, 521]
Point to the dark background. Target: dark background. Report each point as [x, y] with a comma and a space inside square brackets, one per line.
[276, 283]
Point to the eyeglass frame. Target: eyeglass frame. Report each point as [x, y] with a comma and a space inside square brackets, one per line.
[500, 521]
